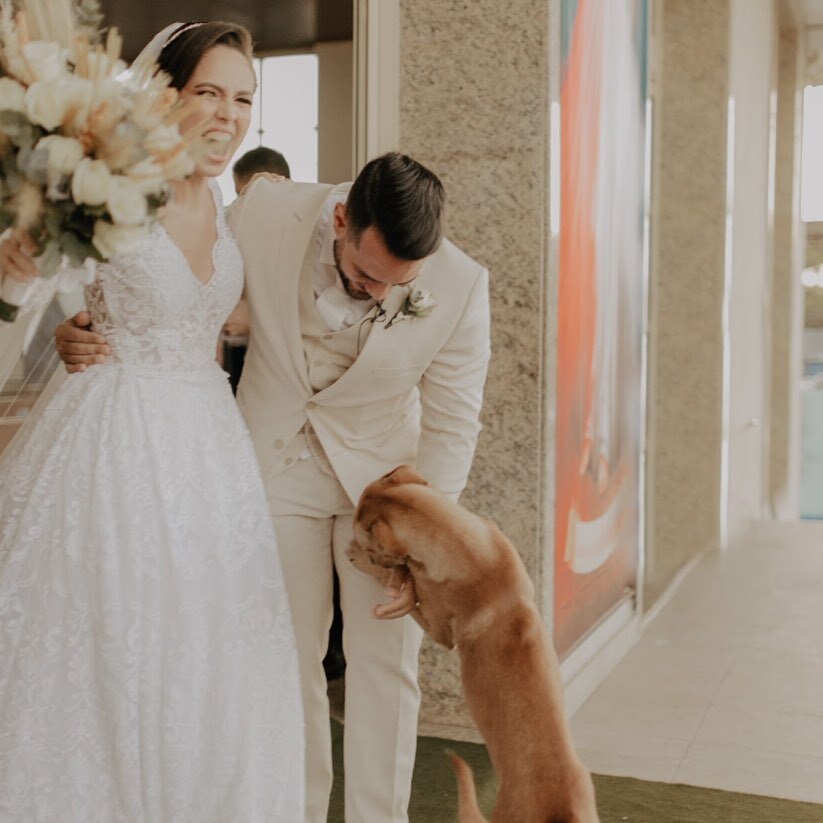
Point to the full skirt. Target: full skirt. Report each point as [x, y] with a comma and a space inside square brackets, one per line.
[148, 671]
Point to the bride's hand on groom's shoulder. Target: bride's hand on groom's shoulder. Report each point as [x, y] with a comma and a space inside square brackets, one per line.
[262, 175]
[78, 346]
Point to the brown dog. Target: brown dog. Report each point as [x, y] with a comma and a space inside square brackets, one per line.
[473, 592]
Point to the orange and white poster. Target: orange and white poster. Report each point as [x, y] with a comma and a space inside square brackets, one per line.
[600, 294]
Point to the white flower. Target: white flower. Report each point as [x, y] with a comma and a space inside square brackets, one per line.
[78, 93]
[111, 240]
[91, 182]
[69, 278]
[162, 140]
[149, 175]
[418, 303]
[127, 202]
[64, 153]
[179, 165]
[46, 103]
[12, 95]
[46, 61]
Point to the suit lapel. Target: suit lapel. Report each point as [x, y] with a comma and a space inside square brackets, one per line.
[294, 256]
[374, 343]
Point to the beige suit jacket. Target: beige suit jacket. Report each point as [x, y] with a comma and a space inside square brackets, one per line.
[414, 393]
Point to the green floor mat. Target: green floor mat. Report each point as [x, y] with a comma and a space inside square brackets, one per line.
[619, 799]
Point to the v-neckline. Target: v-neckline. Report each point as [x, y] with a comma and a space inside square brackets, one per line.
[202, 283]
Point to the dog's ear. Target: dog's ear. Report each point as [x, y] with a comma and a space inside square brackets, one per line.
[386, 540]
[404, 474]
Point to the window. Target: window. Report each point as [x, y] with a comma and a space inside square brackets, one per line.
[284, 116]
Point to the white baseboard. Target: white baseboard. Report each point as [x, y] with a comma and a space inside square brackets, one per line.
[588, 665]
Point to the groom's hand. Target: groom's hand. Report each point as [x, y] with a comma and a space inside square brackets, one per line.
[404, 596]
[78, 346]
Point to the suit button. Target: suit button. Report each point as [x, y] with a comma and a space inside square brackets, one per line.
[289, 461]
[278, 444]
[311, 405]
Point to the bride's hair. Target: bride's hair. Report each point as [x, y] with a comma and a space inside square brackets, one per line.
[187, 45]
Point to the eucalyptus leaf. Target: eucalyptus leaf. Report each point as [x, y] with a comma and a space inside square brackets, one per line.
[35, 165]
[18, 128]
[8, 313]
[76, 249]
[54, 222]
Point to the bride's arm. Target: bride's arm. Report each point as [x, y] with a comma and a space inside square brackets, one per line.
[237, 323]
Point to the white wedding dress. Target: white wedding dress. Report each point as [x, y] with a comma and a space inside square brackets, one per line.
[148, 671]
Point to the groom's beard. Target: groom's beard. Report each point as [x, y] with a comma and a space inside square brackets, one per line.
[348, 287]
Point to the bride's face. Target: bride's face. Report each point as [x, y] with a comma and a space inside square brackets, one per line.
[222, 87]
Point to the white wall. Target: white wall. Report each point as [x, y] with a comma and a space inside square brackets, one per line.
[752, 84]
[335, 121]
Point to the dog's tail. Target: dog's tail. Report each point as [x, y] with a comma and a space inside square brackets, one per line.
[469, 812]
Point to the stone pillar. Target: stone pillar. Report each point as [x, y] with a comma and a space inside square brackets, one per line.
[786, 290]
[474, 106]
[690, 88]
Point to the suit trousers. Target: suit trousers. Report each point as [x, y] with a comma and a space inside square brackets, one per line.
[312, 518]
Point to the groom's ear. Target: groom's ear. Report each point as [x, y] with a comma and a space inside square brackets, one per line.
[341, 221]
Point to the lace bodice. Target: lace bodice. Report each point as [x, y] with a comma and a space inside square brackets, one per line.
[155, 312]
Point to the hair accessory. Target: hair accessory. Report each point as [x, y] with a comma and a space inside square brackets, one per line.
[151, 52]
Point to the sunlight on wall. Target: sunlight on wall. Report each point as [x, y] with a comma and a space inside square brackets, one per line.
[284, 116]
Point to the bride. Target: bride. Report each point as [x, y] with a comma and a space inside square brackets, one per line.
[148, 671]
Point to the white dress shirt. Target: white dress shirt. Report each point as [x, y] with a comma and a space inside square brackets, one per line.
[337, 308]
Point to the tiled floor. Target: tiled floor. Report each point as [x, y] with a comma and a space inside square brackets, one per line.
[811, 469]
[725, 687]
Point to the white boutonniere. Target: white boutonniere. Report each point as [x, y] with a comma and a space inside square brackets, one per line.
[418, 303]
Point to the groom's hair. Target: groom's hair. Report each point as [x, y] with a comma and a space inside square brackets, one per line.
[403, 201]
[187, 44]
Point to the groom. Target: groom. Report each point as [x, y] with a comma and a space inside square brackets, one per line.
[369, 348]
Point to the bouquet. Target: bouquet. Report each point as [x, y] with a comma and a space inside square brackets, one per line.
[87, 147]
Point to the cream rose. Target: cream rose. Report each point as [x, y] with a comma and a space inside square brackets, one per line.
[46, 103]
[12, 95]
[127, 202]
[91, 183]
[148, 174]
[64, 153]
[111, 240]
[45, 60]
[78, 93]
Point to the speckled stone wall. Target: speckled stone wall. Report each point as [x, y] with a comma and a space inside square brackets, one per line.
[474, 106]
[691, 89]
